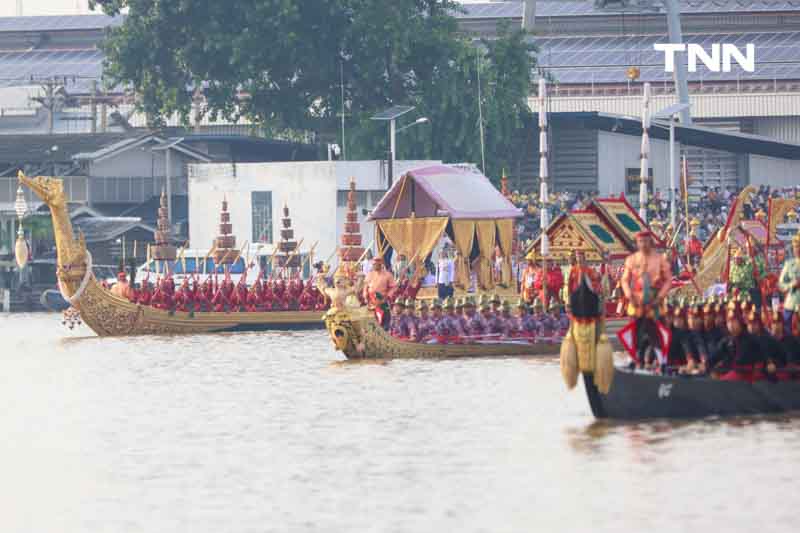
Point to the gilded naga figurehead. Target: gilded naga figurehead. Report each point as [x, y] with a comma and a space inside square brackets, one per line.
[72, 253]
[49, 190]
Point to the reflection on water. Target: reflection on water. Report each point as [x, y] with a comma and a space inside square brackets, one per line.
[275, 432]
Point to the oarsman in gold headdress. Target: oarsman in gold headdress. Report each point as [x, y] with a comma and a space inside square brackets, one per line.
[789, 283]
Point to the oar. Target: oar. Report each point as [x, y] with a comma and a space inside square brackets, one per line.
[205, 259]
[308, 256]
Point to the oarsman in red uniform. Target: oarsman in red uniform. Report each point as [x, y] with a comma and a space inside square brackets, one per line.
[223, 297]
[786, 348]
[133, 294]
[145, 292]
[645, 281]
[206, 295]
[267, 295]
[164, 295]
[307, 300]
[555, 281]
[281, 299]
[580, 271]
[255, 295]
[295, 291]
[737, 352]
[241, 293]
[768, 348]
[183, 297]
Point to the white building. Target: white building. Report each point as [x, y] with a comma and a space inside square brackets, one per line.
[315, 192]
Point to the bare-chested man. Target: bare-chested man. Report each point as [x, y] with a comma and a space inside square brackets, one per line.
[379, 287]
[645, 281]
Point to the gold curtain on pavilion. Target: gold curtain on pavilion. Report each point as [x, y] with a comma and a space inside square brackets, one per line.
[413, 237]
[486, 230]
[464, 233]
[505, 232]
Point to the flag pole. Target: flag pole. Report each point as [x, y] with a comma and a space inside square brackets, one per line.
[544, 215]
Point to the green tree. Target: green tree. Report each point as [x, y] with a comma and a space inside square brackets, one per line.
[278, 63]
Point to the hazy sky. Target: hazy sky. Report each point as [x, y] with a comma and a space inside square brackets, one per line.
[8, 8]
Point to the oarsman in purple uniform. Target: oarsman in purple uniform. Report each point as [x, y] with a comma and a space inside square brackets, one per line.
[436, 313]
[449, 327]
[493, 322]
[496, 305]
[563, 322]
[408, 326]
[476, 327]
[549, 323]
[530, 326]
[538, 312]
[461, 314]
[425, 323]
[510, 323]
[397, 318]
[514, 322]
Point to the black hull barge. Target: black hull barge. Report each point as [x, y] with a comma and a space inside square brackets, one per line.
[636, 396]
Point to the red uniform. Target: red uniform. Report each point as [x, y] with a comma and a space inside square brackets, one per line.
[184, 299]
[223, 297]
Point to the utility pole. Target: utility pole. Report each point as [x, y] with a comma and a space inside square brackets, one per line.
[19, 8]
[679, 75]
[48, 102]
[94, 106]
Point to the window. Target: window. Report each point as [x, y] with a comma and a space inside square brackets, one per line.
[633, 181]
[261, 202]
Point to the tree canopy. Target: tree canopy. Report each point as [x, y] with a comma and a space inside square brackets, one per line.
[281, 64]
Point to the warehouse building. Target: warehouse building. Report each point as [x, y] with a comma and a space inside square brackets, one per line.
[587, 52]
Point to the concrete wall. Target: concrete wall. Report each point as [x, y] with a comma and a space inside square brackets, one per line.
[616, 152]
[772, 171]
[309, 189]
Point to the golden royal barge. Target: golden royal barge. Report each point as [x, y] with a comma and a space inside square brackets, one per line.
[110, 315]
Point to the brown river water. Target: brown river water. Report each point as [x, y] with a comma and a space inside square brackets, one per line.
[276, 432]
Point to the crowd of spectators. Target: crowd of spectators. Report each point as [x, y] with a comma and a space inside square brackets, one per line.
[709, 205]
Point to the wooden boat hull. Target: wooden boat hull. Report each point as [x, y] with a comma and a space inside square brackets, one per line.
[636, 396]
[357, 334]
[109, 315]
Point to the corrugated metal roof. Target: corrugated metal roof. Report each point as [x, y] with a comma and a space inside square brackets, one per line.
[567, 8]
[605, 59]
[52, 148]
[83, 65]
[59, 23]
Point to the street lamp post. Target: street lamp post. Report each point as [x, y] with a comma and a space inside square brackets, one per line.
[391, 115]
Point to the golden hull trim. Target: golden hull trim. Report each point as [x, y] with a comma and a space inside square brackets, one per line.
[109, 315]
[360, 337]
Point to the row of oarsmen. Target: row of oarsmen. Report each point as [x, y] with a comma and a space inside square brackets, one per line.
[463, 320]
[732, 338]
